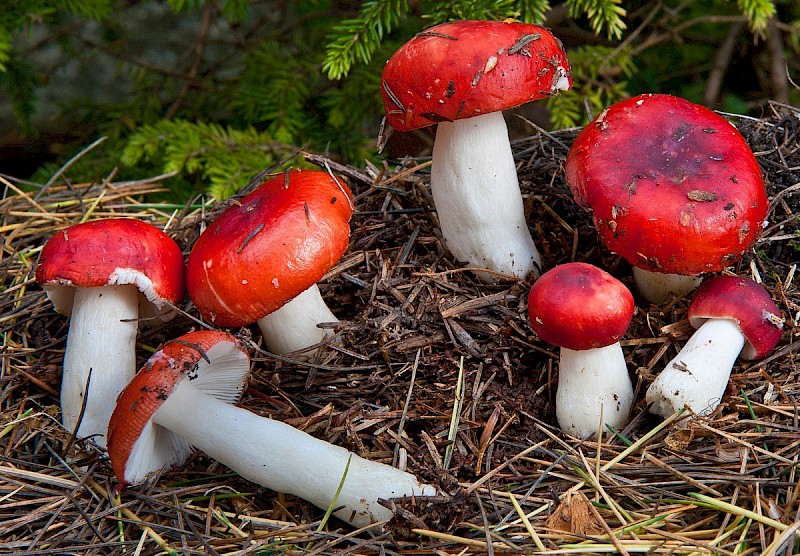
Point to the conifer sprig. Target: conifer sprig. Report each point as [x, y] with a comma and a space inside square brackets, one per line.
[355, 40]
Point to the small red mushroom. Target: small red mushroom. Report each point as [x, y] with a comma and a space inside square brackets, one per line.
[734, 316]
[105, 275]
[461, 75]
[585, 311]
[260, 260]
[673, 188]
[183, 399]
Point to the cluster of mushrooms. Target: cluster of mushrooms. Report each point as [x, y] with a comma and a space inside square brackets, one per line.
[673, 188]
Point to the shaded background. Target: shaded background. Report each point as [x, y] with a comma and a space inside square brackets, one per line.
[216, 90]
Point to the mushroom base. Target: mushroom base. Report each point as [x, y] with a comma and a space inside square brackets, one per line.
[594, 390]
[293, 327]
[478, 201]
[284, 459]
[658, 287]
[100, 355]
[698, 375]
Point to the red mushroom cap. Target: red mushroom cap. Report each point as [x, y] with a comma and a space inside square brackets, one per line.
[747, 303]
[107, 252]
[273, 245]
[466, 68]
[131, 433]
[674, 187]
[579, 306]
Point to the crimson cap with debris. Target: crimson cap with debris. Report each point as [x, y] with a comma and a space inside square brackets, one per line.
[260, 260]
[673, 187]
[734, 317]
[461, 75]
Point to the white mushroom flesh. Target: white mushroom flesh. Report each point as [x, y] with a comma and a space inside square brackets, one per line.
[698, 376]
[594, 390]
[284, 459]
[477, 196]
[101, 341]
[293, 327]
[658, 287]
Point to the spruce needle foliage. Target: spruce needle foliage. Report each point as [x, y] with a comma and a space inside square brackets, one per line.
[92, 9]
[605, 16]
[600, 86]
[227, 158]
[231, 9]
[355, 40]
[5, 48]
[758, 13]
[279, 103]
[19, 80]
[529, 11]
[16, 15]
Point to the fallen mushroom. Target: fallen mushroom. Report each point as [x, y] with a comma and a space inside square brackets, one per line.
[734, 316]
[106, 275]
[259, 261]
[585, 311]
[461, 75]
[673, 188]
[182, 398]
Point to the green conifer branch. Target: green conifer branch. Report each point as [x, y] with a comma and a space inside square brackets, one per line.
[604, 15]
[226, 157]
[758, 13]
[355, 40]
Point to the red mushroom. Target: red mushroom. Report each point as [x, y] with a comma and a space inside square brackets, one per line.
[585, 311]
[734, 317]
[461, 75]
[105, 275]
[183, 397]
[260, 260]
[673, 187]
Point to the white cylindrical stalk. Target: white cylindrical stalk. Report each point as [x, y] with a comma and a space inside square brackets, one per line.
[284, 459]
[101, 341]
[293, 327]
[698, 375]
[476, 192]
[593, 386]
[658, 288]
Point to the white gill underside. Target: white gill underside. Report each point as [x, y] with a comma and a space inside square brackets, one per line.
[222, 376]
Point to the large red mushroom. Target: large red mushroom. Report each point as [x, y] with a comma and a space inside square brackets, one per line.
[734, 317]
[106, 275]
[585, 311]
[260, 260]
[673, 188]
[461, 75]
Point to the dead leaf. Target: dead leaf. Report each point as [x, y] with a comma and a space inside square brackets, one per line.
[574, 515]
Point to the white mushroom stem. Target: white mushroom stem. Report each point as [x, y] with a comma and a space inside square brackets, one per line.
[698, 375]
[101, 341]
[284, 459]
[293, 327]
[476, 192]
[594, 389]
[658, 287]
